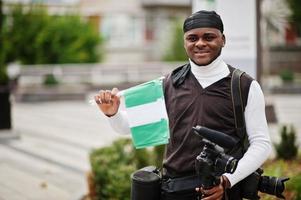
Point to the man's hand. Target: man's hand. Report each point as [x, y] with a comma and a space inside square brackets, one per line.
[215, 193]
[108, 101]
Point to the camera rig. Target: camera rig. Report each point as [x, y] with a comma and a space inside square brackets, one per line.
[212, 162]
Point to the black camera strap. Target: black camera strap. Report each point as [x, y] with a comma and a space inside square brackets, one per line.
[239, 108]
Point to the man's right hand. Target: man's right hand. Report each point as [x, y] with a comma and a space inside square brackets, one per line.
[108, 101]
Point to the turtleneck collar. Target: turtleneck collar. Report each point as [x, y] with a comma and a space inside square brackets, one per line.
[209, 74]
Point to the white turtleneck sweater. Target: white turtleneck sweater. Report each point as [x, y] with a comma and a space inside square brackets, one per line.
[256, 124]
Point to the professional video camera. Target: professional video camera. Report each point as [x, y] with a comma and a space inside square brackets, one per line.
[212, 162]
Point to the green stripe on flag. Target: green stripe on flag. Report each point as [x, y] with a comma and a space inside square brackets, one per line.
[151, 134]
[144, 93]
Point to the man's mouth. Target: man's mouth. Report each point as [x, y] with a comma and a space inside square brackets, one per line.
[201, 52]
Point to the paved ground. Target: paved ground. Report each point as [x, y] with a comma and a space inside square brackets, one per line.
[288, 112]
[50, 158]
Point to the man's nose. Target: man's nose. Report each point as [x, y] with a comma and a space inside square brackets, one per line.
[200, 43]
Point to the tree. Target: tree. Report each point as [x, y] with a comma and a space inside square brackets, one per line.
[38, 38]
[5, 114]
[287, 148]
[21, 30]
[3, 75]
[295, 6]
[78, 46]
[176, 51]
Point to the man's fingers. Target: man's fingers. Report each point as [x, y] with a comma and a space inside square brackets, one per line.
[208, 191]
[114, 92]
[102, 96]
[214, 193]
[97, 99]
[108, 96]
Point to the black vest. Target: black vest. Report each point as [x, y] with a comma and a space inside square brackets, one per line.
[188, 105]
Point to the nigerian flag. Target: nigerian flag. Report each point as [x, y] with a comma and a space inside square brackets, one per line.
[145, 107]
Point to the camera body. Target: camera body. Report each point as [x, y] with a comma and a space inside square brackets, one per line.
[212, 162]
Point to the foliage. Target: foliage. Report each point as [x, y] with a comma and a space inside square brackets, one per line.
[295, 6]
[176, 51]
[34, 37]
[50, 80]
[158, 155]
[66, 40]
[287, 75]
[296, 185]
[287, 148]
[111, 167]
[3, 73]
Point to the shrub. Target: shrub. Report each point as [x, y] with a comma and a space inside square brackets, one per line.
[287, 148]
[3, 70]
[287, 75]
[112, 166]
[50, 80]
[176, 50]
[295, 185]
[3, 75]
[48, 39]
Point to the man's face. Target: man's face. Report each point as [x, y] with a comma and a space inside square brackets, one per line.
[203, 45]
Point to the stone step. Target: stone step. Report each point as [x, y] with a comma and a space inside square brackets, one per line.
[68, 180]
[59, 153]
[17, 181]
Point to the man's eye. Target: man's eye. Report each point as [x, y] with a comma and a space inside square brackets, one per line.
[192, 39]
[209, 37]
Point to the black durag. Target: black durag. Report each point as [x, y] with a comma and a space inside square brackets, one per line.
[203, 19]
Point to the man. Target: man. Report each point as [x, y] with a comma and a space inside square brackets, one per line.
[199, 93]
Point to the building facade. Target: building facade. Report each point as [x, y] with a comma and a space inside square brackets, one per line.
[134, 30]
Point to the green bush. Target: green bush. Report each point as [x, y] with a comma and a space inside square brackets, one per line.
[295, 7]
[33, 37]
[176, 50]
[295, 185]
[50, 80]
[112, 166]
[3, 71]
[287, 148]
[3, 74]
[67, 40]
[287, 75]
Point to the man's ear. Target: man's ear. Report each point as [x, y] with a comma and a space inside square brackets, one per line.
[224, 40]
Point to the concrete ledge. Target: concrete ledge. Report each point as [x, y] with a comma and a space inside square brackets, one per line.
[8, 134]
[53, 93]
[286, 89]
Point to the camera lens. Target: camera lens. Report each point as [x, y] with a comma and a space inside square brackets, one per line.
[272, 185]
[231, 166]
[226, 164]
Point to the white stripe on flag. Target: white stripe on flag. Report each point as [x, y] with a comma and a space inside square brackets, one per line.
[147, 113]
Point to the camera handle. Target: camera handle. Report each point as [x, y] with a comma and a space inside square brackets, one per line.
[205, 166]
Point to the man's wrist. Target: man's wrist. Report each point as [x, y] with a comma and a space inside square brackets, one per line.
[226, 183]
